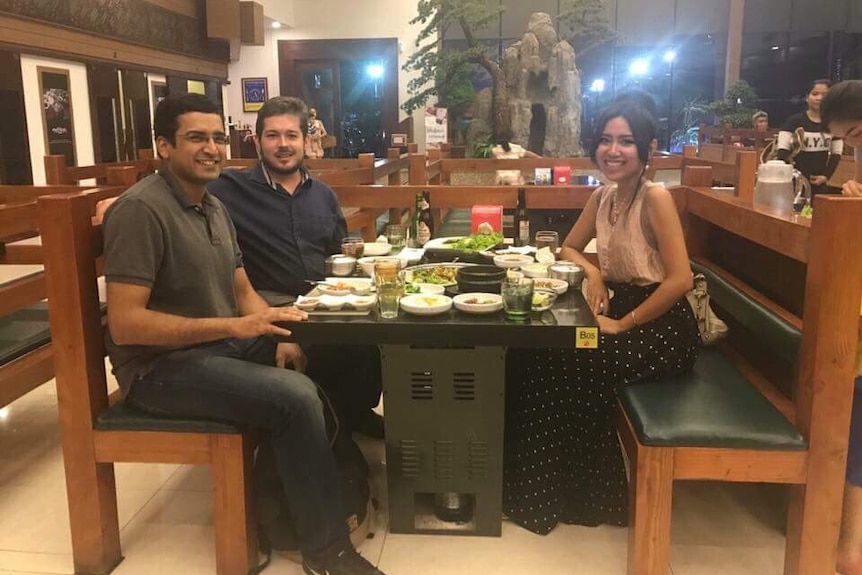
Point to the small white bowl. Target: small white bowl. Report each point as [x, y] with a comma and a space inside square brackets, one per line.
[361, 302]
[421, 304]
[535, 270]
[559, 286]
[376, 249]
[333, 303]
[431, 289]
[512, 260]
[478, 302]
[307, 303]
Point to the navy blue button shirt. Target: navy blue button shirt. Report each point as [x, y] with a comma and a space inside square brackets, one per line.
[284, 238]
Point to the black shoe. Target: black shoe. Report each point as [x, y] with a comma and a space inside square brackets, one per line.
[345, 562]
[369, 423]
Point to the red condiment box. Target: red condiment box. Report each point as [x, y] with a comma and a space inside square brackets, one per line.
[562, 175]
[491, 214]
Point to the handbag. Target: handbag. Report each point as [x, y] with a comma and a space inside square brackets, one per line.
[709, 325]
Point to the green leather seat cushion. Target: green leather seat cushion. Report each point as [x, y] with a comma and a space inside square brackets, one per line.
[713, 406]
[23, 331]
[124, 417]
[778, 335]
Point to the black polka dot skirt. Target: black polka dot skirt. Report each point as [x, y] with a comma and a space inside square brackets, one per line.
[562, 459]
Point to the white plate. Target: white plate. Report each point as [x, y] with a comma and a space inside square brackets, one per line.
[442, 243]
[512, 260]
[559, 286]
[409, 272]
[487, 302]
[344, 286]
[376, 249]
[421, 304]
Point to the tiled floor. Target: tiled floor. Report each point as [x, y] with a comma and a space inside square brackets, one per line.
[166, 518]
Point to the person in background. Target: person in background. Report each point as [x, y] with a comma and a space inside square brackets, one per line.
[566, 465]
[287, 223]
[506, 150]
[841, 112]
[316, 133]
[819, 152]
[760, 121]
[189, 337]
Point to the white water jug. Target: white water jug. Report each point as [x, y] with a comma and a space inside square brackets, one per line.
[779, 186]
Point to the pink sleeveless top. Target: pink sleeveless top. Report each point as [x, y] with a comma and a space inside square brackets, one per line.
[627, 250]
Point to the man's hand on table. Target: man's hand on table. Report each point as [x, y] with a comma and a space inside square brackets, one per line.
[263, 322]
[287, 354]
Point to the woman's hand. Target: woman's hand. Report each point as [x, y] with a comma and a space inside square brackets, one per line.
[610, 326]
[851, 188]
[597, 294]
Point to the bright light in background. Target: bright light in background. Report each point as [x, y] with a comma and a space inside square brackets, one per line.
[276, 24]
[639, 67]
[4, 413]
[776, 47]
[375, 71]
[598, 85]
[669, 56]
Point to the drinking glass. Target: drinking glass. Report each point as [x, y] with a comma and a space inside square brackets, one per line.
[395, 235]
[353, 247]
[548, 239]
[390, 286]
[517, 297]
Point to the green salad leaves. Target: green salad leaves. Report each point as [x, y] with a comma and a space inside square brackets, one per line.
[477, 242]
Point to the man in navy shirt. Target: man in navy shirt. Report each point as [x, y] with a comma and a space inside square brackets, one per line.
[287, 223]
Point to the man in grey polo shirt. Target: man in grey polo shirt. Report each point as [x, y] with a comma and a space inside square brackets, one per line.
[189, 337]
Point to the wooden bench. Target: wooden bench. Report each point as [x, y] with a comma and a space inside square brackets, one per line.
[26, 353]
[95, 435]
[732, 419]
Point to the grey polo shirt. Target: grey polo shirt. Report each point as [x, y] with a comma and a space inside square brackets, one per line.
[155, 237]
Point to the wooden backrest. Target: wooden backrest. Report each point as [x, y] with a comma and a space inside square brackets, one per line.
[58, 173]
[741, 173]
[72, 250]
[769, 257]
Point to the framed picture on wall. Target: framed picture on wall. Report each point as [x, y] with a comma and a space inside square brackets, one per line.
[55, 88]
[254, 94]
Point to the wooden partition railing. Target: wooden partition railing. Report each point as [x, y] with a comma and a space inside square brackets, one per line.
[740, 174]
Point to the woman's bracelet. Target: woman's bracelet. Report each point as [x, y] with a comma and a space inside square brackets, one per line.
[634, 319]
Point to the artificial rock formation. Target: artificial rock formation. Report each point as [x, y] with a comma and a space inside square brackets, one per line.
[544, 90]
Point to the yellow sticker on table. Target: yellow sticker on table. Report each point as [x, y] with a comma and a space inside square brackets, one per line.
[586, 338]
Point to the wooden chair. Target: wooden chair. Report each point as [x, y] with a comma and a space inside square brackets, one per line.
[94, 435]
[717, 423]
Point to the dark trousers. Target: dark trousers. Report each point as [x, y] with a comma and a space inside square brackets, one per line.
[236, 381]
[350, 375]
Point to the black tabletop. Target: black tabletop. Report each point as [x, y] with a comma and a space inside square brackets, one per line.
[555, 327]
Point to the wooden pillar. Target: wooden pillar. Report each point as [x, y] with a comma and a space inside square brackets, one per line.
[124, 176]
[746, 175]
[733, 56]
[366, 160]
[55, 170]
[689, 151]
[418, 170]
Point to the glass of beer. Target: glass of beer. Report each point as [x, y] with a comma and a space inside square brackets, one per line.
[549, 239]
[390, 285]
[353, 247]
[396, 236]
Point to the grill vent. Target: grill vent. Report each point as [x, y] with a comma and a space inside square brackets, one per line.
[464, 386]
[444, 459]
[410, 458]
[477, 459]
[422, 385]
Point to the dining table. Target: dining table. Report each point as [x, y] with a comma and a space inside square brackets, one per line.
[443, 379]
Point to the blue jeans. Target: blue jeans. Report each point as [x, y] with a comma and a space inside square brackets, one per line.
[235, 380]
